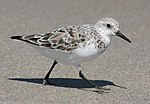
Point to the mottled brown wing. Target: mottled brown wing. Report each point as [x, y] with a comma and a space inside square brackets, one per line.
[62, 41]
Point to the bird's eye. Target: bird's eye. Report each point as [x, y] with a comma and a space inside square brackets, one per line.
[109, 26]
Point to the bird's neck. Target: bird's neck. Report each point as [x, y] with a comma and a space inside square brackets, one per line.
[105, 37]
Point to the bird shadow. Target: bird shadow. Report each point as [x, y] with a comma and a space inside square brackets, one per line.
[68, 82]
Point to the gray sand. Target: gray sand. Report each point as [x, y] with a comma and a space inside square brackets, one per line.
[123, 64]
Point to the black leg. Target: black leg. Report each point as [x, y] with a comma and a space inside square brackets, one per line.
[84, 78]
[93, 84]
[45, 80]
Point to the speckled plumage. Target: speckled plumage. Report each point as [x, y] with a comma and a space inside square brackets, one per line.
[67, 38]
[75, 44]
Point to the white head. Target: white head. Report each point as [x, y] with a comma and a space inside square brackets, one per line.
[109, 27]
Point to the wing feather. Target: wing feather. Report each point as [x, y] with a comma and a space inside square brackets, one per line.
[64, 39]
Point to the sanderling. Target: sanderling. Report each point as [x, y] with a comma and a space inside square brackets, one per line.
[75, 44]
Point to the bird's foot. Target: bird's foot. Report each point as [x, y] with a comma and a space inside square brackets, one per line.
[47, 82]
[101, 90]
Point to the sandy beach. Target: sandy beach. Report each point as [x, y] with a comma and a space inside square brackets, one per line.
[124, 67]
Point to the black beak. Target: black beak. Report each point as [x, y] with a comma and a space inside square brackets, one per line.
[118, 33]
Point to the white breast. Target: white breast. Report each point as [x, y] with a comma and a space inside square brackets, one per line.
[77, 56]
[85, 51]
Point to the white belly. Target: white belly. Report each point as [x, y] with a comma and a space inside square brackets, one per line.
[76, 57]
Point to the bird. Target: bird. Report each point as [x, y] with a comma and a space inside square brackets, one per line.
[74, 45]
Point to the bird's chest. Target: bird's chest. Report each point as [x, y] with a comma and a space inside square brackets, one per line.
[86, 50]
[101, 45]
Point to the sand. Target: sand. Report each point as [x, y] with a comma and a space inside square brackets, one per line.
[123, 64]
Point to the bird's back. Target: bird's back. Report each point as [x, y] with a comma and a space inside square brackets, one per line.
[70, 44]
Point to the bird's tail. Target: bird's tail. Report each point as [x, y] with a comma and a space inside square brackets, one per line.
[23, 38]
[16, 37]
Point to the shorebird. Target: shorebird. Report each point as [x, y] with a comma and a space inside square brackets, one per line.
[75, 44]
